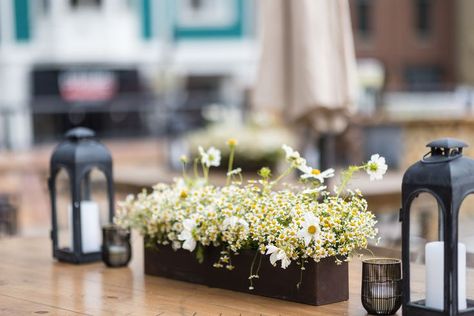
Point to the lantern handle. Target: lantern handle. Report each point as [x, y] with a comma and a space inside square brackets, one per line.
[79, 133]
[439, 158]
[443, 150]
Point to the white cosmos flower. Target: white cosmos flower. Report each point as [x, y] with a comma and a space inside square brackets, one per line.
[278, 254]
[311, 173]
[293, 156]
[376, 167]
[234, 172]
[310, 229]
[211, 157]
[315, 190]
[233, 221]
[187, 234]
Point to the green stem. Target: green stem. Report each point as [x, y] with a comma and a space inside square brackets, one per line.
[251, 270]
[347, 176]
[205, 172]
[259, 263]
[195, 167]
[301, 274]
[231, 163]
[185, 176]
[281, 176]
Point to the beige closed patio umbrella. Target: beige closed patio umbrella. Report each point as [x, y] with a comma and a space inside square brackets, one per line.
[307, 70]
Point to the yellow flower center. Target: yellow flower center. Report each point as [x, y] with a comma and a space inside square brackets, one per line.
[183, 194]
[312, 229]
[315, 171]
[373, 166]
[232, 142]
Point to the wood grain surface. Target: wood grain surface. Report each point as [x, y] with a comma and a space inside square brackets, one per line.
[32, 283]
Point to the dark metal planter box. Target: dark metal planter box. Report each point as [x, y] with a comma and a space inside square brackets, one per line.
[322, 283]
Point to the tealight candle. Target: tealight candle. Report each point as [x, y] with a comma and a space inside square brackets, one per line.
[116, 249]
[381, 285]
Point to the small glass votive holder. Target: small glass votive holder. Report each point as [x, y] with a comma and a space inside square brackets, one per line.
[381, 286]
[116, 247]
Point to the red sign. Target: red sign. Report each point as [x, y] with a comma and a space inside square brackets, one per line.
[87, 86]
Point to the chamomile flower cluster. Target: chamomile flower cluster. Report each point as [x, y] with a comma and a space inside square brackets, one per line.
[284, 225]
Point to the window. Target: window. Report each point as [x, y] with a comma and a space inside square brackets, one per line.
[363, 12]
[45, 7]
[424, 77]
[423, 17]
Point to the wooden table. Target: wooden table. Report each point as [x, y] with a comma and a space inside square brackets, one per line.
[31, 282]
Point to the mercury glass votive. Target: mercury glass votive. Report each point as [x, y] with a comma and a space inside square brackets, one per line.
[381, 286]
[116, 247]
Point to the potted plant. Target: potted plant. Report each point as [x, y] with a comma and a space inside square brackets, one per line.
[259, 236]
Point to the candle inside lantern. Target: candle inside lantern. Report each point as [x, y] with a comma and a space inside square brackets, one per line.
[435, 271]
[90, 226]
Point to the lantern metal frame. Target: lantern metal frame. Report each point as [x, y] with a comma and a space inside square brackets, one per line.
[449, 177]
[78, 155]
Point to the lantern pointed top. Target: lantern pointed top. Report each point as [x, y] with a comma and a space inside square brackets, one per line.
[79, 133]
[447, 143]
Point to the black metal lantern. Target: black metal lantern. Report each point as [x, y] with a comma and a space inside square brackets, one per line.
[80, 167]
[447, 176]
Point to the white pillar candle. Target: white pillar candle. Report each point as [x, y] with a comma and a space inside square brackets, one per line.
[434, 281]
[90, 227]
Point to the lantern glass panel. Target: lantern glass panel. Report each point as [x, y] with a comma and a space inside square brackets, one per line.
[466, 238]
[425, 219]
[63, 210]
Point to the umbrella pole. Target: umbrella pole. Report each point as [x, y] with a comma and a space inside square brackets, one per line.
[327, 150]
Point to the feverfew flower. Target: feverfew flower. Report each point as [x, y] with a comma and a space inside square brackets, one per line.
[278, 254]
[376, 167]
[314, 190]
[233, 221]
[187, 234]
[232, 142]
[310, 229]
[293, 156]
[210, 158]
[310, 173]
[236, 171]
[183, 159]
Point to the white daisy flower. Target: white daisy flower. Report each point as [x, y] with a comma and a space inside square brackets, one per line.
[187, 234]
[278, 254]
[234, 172]
[210, 158]
[376, 167]
[311, 173]
[310, 228]
[293, 156]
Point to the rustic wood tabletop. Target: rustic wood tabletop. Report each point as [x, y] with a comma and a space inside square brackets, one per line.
[31, 282]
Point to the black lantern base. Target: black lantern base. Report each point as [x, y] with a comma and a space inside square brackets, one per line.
[65, 255]
[418, 308]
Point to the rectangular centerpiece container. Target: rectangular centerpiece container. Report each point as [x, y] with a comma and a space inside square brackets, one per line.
[322, 283]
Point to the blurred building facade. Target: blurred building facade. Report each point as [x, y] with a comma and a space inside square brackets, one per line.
[138, 67]
[465, 41]
[414, 40]
[110, 64]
